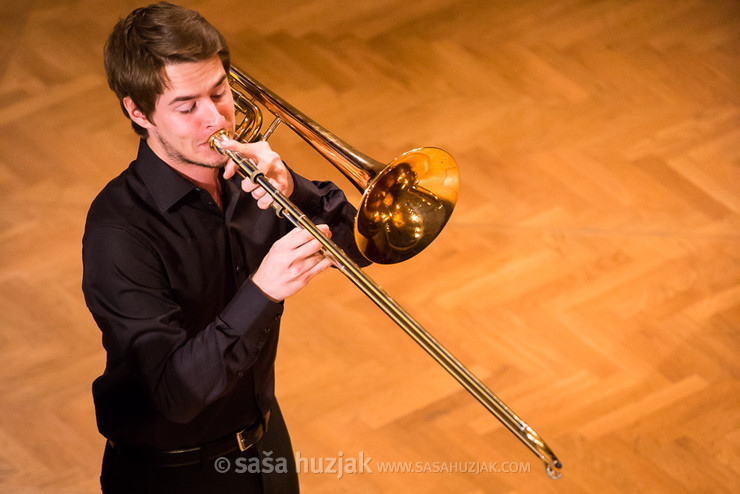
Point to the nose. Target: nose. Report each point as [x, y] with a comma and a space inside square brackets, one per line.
[212, 117]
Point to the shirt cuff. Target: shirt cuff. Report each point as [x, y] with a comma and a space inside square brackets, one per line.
[251, 308]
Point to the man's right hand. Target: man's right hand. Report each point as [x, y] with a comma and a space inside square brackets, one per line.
[291, 263]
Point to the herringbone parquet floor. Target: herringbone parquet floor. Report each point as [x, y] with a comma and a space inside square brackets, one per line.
[590, 274]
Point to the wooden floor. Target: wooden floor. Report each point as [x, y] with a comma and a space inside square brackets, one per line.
[590, 274]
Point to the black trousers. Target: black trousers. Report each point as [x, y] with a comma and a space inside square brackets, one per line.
[268, 467]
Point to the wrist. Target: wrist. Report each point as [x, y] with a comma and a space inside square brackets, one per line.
[258, 283]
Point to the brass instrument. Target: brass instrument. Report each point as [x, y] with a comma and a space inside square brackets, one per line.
[404, 207]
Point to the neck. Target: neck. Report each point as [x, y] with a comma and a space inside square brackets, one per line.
[202, 176]
[205, 178]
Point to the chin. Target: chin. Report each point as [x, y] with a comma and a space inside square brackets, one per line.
[218, 162]
[211, 158]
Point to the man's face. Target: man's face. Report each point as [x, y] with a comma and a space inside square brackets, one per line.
[196, 103]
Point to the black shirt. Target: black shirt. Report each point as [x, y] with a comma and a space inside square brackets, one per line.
[190, 340]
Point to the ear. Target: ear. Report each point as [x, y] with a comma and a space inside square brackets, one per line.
[136, 115]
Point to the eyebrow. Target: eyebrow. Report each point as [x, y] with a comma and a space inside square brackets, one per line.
[180, 99]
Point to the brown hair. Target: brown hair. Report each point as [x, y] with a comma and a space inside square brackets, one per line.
[145, 41]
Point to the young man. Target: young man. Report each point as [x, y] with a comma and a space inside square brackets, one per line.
[185, 274]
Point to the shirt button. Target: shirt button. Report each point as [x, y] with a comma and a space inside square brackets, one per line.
[267, 330]
[240, 373]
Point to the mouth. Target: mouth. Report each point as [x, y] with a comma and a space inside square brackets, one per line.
[222, 131]
[206, 145]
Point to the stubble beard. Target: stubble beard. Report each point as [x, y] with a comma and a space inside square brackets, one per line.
[176, 156]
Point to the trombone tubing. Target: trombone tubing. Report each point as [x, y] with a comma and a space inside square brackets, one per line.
[286, 209]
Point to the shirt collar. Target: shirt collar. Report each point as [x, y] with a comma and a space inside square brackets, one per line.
[165, 184]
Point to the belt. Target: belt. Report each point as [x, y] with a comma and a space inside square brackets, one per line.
[242, 440]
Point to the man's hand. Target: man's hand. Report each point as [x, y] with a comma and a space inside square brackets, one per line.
[268, 162]
[290, 264]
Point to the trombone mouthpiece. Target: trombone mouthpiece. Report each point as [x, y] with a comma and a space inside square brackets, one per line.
[217, 139]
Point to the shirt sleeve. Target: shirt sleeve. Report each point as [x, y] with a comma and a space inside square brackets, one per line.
[129, 296]
[325, 203]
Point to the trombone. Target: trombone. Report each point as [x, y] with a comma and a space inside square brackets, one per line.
[404, 206]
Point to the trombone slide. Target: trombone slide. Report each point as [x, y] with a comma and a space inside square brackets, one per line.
[285, 208]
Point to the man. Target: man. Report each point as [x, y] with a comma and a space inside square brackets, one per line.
[185, 274]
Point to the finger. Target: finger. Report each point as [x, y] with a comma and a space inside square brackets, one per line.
[324, 229]
[322, 265]
[258, 193]
[295, 238]
[248, 186]
[259, 151]
[310, 251]
[231, 144]
[229, 170]
[265, 202]
[306, 268]
[298, 237]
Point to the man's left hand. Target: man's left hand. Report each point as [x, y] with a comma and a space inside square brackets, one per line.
[268, 162]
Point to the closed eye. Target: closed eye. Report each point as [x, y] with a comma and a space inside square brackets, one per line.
[191, 109]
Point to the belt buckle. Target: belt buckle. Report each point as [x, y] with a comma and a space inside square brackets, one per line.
[243, 446]
[259, 428]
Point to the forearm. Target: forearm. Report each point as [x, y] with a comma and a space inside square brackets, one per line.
[205, 367]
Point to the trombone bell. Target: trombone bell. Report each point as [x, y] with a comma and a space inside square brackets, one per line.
[406, 206]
